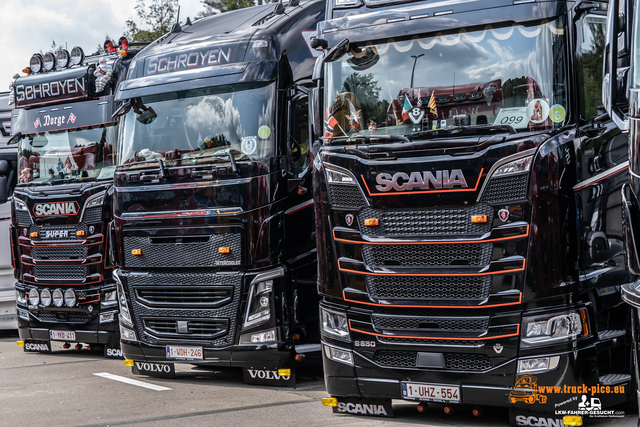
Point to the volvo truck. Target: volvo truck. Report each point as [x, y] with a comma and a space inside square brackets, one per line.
[467, 189]
[66, 141]
[8, 180]
[213, 210]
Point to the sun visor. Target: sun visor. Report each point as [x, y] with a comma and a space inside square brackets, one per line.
[54, 87]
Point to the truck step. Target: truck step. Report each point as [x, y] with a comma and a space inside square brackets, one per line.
[610, 334]
[611, 379]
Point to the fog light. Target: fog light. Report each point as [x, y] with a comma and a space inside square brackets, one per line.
[23, 314]
[58, 298]
[329, 401]
[538, 364]
[69, 298]
[107, 317]
[339, 355]
[284, 372]
[262, 337]
[45, 297]
[34, 297]
[127, 334]
[128, 362]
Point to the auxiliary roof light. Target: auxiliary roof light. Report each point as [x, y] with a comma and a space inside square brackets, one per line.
[69, 298]
[49, 61]
[58, 298]
[63, 58]
[123, 43]
[36, 63]
[77, 55]
[108, 46]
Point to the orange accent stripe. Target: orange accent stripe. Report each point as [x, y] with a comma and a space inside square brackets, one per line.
[488, 273]
[432, 306]
[604, 177]
[438, 338]
[519, 236]
[425, 191]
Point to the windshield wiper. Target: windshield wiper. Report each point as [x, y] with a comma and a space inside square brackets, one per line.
[369, 138]
[466, 130]
[232, 160]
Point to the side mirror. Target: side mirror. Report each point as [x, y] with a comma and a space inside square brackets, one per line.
[337, 51]
[15, 138]
[315, 107]
[615, 73]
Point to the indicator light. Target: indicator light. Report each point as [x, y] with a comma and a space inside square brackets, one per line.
[329, 401]
[372, 222]
[479, 219]
[284, 372]
[27, 70]
[128, 362]
[122, 52]
[572, 420]
[299, 357]
[301, 191]
[80, 233]
[66, 345]
[295, 337]
[20, 343]
[224, 250]
[33, 235]
[136, 252]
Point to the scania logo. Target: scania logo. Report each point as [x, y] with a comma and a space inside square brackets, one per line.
[29, 346]
[153, 367]
[113, 352]
[400, 181]
[361, 408]
[267, 375]
[54, 209]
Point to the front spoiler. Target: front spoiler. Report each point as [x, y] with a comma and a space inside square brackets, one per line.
[103, 337]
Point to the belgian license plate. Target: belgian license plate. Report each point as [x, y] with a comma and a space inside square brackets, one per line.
[186, 353]
[62, 335]
[431, 392]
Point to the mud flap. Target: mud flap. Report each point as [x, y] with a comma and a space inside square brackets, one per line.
[360, 406]
[267, 376]
[37, 346]
[521, 417]
[113, 352]
[154, 369]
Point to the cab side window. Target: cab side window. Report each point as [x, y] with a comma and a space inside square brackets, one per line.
[12, 176]
[298, 134]
[592, 30]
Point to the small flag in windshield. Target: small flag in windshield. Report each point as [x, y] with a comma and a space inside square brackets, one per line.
[67, 163]
[60, 165]
[406, 108]
[432, 104]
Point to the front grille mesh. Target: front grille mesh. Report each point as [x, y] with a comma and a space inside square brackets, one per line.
[404, 359]
[200, 328]
[474, 254]
[449, 342]
[75, 252]
[460, 288]
[466, 324]
[196, 296]
[444, 221]
[453, 361]
[67, 317]
[92, 215]
[345, 196]
[506, 189]
[71, 273]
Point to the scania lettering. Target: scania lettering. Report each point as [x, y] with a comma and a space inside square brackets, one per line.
[214, 219]
[61, 209]
[468, 205]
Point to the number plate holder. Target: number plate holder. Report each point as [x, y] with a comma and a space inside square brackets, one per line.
[442, 393]
[62, 335]
[184, 353]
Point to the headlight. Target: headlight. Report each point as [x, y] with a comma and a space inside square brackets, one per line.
[20, 205]
[260, 296]
[262, 337]
[69, 298]
[58, 298]
[45, 297]
[551, 328]
[95, 202]
[538, 364]
[34, 297]
[338, 354]
[334, 324]
[21, 297]
[125, 315]
[127, 334]
[337, 177]
[517, 166]
[107, 317]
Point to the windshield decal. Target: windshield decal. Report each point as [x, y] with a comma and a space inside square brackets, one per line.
[187, 61]
[249, 145]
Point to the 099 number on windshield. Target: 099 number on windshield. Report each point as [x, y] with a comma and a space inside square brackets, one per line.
[511, 120]
[516, 117]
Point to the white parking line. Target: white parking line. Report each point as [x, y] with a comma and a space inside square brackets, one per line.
[132, 382]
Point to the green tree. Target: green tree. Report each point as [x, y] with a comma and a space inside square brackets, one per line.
[591, 74]
[211, 7]
[368, 92]
[159, 16]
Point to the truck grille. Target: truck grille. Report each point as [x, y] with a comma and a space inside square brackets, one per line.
[76, 252]
[466, 324]
[71, 273]
[62, 317]
[446, 342]
[506, 189]
[420, 288]
[194, 328]
[346, 196]
[458, 362]
[210, 296]
[475, 254]
[23, 218]
[70, 229]
[184, 251]
[92, 215]
[426, 221]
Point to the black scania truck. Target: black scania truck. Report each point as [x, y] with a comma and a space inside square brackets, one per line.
[214, 224]
[62, 203]
[468, 209]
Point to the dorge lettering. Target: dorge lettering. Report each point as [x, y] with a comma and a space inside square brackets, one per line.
[400, 181]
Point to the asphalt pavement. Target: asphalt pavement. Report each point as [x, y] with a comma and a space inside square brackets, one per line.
[82, 388]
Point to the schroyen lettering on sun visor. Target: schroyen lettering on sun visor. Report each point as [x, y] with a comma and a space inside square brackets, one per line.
[188, 60]
[49, 88]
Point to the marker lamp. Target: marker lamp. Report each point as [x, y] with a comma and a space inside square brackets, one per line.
[338, 355]
[334, 324]
[110, 298]
[262, 337]
[45, 297]
[34, 297]
[62, 58]
[23, 314]
[550, 328]
[337, 177]
[107, 317]
[49, 61]
[36, 63]
[58, 298]
[77, 55]
[538, 365]
[127, 334]
[515, 167]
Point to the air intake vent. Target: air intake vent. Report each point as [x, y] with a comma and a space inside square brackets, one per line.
[345, 196]
[506, 189]
[429, 288]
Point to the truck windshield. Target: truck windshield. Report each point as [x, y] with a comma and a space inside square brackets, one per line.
[69, 155]
[199, 125]
[512, 76]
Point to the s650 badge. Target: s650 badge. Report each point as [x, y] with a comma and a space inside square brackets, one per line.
[503, 214]
[349, 219]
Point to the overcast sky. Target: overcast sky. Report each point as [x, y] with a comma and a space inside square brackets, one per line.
[28, 26]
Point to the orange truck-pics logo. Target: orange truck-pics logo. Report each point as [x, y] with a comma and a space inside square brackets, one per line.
[526, 390]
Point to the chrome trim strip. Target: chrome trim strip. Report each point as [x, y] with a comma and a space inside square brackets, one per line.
[181, 214]
[601, 175]
[182, 186]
